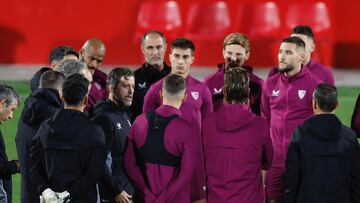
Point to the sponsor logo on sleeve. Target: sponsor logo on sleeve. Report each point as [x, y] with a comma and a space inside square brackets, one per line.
[275, 93]
[142, 86]
[218, 91]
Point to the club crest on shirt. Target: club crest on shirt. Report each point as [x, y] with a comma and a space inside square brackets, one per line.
[195, 95]
[275, 93]
[217, 91]
[142, 86]
[119, 126]
[301, 93]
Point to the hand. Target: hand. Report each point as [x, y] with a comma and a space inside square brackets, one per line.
[123, 197]
[63, 196]
[48, 195]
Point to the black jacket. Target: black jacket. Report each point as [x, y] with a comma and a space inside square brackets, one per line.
[39, 106]
[116, 124]
[323, 163]
[145, 76]
[35, 80]
[68, 153]
[7, 168]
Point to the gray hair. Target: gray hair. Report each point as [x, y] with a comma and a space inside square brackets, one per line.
[8, 93]
[69, 67]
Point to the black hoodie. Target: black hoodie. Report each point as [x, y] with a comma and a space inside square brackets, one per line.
[39, 106]
[68, 153]
[323, 162]
[116, 124]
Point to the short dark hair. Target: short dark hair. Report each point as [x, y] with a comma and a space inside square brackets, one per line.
[116, 74]
[75, 88]
[183, 43]
[304, 30]
[294, 40]
[325, 96]
[51, 79]
[174, 84]
[152, 32]
[8, 93]
[71, 66]
[58, 53]
[236, 85]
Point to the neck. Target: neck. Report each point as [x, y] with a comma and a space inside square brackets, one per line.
[320, 112]
[294, 71]
[306, 61]
[156, 67]
[172, 103]
[76, 108]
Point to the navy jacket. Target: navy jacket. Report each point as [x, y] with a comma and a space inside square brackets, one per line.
[35, 80]
[145, 76]
[39, 106]
[7, 168]
[116, 124]
[68, 153]
[323, 163]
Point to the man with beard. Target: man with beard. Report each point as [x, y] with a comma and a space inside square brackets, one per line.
[39, 106]
[9, 101]
[236, 52]
[111, 116]
[286, 103]
[92, 54]
[196, 106]
[57, 55]
[320, 72]
[153, 47]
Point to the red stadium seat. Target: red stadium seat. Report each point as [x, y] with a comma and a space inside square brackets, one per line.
[163, 16]
[317, 16]
[208, 21]
[261, 23]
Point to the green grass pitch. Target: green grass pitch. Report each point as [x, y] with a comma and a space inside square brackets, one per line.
[347, 99]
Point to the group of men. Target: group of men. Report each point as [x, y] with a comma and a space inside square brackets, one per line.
[159, 135]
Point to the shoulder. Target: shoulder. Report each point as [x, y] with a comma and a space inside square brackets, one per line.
[212, 76]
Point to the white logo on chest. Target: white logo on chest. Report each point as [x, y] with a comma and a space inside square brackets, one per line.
[119, 126]
[301, 93]
[142, 86]
[275, 93]
[195, 95]
[217, 91]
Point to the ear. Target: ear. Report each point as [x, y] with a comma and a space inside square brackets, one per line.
[247, 55]
[81, 53]
[110, 88]
[85, 101]
[312, 47]
[142, 49]
[2, 103]
[161, 94]
[314, 104]
[184, 99]
[192, 59]
[301, 57]
[61, 93]
[224, 53]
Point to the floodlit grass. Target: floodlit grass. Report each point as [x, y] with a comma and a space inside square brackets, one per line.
[347, 99]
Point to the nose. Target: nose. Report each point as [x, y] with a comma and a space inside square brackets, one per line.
[233, 58]
[131, 90]
[95, 64]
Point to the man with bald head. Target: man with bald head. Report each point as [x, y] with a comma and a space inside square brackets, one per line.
[92, 54]
[153, 47]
